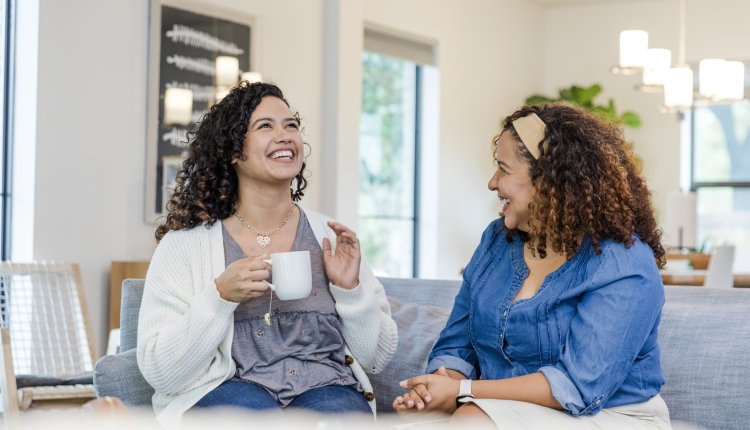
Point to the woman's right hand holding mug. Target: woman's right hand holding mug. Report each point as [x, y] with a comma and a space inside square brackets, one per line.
[244, 279]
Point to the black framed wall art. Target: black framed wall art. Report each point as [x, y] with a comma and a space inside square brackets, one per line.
[196, 54]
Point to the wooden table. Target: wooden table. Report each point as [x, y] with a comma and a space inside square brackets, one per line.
[698, 278]
[122, 270]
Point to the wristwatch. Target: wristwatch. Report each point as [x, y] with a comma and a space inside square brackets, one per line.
[464, 392]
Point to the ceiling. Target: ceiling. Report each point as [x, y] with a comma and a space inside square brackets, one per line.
[574, 2]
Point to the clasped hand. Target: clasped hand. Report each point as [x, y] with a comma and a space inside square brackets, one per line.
[429, 393]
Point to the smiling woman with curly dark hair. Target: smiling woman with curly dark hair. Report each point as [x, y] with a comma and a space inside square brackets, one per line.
[212, 330]
[206, 189]
[559, 310]
[587, 183]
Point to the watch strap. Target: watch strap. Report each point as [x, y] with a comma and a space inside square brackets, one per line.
[464, 392]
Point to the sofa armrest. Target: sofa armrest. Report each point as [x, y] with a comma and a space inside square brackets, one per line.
[118, 376]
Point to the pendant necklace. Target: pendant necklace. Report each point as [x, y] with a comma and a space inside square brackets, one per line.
[264, 239]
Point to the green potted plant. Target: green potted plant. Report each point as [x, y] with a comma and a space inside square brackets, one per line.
[584, 97]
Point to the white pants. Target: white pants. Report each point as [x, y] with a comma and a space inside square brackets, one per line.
[511, 414]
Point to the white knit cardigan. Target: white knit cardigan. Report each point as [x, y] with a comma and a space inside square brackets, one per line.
[185, 328]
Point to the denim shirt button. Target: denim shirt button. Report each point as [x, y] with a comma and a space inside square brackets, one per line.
[505, 314]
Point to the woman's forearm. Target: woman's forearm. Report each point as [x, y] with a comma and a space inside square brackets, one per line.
[531, 388]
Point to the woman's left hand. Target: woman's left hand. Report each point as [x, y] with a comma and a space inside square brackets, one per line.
[342, 267]
[442, 390]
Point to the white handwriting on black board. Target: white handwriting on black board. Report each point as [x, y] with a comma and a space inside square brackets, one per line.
[176, 136]
[198, 39]
[197, 115]
[197, 65]
[201, 93]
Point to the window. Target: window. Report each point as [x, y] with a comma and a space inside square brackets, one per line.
[721, 178]
[388, 166]
[397, 116]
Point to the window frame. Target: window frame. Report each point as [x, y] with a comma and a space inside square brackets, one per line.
[6, 152]
[694, 185]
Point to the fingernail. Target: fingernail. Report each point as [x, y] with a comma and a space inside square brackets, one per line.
[427, 399]
[402, 383]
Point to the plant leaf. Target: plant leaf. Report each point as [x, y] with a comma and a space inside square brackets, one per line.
[631, 119]
[586, 95]
[537, 99]
[567, 93]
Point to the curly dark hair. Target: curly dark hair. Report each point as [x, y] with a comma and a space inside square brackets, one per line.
[587, 182]
[206, 186]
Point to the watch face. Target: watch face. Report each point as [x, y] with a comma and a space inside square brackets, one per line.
[464, 388]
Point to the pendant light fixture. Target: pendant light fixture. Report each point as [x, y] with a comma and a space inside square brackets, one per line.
[678, 86]
[720, 81]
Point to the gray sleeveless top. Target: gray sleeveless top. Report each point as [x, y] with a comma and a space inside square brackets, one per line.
[303, 348]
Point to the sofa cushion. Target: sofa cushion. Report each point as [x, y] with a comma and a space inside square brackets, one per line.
[130, 306]
[432, 292]
[23, 381]
[418, 329]
[704, 337]
[119, 376]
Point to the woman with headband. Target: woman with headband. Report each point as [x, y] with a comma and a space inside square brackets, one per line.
[555, 325]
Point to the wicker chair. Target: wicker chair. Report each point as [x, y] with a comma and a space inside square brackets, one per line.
[48, 346]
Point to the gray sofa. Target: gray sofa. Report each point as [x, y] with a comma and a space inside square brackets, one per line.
[704, 335]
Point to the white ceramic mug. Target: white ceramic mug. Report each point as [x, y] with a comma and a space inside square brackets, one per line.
[292, 277]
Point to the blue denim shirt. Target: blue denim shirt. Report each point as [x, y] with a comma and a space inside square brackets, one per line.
[591, 329]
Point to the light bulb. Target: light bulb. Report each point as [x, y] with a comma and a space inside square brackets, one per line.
[633, 45]
[678, 88]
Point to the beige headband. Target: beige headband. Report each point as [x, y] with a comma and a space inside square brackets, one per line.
[530, 129]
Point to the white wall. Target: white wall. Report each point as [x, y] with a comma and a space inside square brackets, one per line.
[581, 44]
[90, 148]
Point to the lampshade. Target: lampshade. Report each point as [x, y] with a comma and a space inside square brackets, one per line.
[251, 77]
[678, 88]
[710, 77]
[657, 63]
[733, 84]
[227, 71]
[679, 220]
[633, 46]
[178, 106]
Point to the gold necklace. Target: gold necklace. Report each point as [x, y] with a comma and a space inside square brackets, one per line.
[264, 239]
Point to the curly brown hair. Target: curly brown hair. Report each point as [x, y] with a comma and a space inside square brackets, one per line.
[206, 187]
[587, 184]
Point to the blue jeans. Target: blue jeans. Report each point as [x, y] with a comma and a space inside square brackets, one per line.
[330, 399]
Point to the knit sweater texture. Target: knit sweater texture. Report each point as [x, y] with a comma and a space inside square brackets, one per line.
[185, 328]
